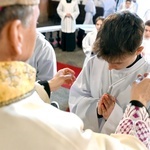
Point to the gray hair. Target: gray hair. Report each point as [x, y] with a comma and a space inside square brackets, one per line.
[10, 13]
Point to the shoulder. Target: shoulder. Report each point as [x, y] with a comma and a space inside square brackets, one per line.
[91, 33]
[95, 62]
[42, 44]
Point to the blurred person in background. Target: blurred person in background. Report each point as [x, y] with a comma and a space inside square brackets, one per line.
[43, 58]
[147, 15]
[68, 11]
[90, 11]
[109, 7]
[89, 39]
[128, 5]
[146, 42]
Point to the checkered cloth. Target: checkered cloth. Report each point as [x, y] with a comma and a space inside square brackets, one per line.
[136, 122]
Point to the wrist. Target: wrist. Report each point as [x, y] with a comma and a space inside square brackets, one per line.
[137, 103]
[99, 116]
[51, 85]
[46, 86]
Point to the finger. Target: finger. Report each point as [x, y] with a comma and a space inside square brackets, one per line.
[104, 96]
[146, 74]
[69, 77]
[69, 80]
[146, 80]
[112, 98]
[140, 91]
[99, 109]
[139, 79]
[99, 103]
[139, 75]
[69, 71]
[103, 109]
[106, 102]
[109, 98]
[109, 104]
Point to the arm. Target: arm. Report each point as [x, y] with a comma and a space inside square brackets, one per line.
[75, 12]
[81, 101]
[108, 109]
[120, 7]
[46, 60]
[90, 7]
[63, 76]
[136, 122]
[88, 41]
[43, 59]
[147, 15]
[136, 119]
[60, 10]
[87, 45]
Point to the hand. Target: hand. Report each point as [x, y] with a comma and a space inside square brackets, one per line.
[141, 89]
[68, 15]
[63, 76]
[106, 105]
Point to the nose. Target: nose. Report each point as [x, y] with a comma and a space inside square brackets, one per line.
[111, 66]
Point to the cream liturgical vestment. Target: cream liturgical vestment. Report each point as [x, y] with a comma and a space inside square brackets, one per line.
[68, 24]
[28, 123]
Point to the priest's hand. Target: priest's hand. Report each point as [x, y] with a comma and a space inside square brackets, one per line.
[141, 89]
[63, 76]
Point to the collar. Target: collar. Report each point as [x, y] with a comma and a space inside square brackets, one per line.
[137, 59]
[17, 80]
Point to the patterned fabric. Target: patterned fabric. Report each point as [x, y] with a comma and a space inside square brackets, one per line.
[136, 122]
[16, 80]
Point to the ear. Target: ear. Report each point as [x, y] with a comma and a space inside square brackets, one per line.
[16, 36]
[139, 50]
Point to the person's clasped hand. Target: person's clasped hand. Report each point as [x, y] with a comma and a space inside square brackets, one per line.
[68, 15]
[106, 105]
[63, 76]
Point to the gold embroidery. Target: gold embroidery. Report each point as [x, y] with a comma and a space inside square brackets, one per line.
[16, 80]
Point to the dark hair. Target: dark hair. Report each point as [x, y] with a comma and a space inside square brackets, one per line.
[128, 0]
[120, 35]
[147, 23]
[10, 13]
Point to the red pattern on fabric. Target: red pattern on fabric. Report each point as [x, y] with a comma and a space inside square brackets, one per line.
[136, 122]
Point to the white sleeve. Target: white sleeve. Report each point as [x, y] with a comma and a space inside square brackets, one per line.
[43, 59]
[60, 11]
[42, 93]
[147, 15]
[90, 7]
[86, 45]
[82, 103]
[76, 11]
[47, 66]
[111, 124]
